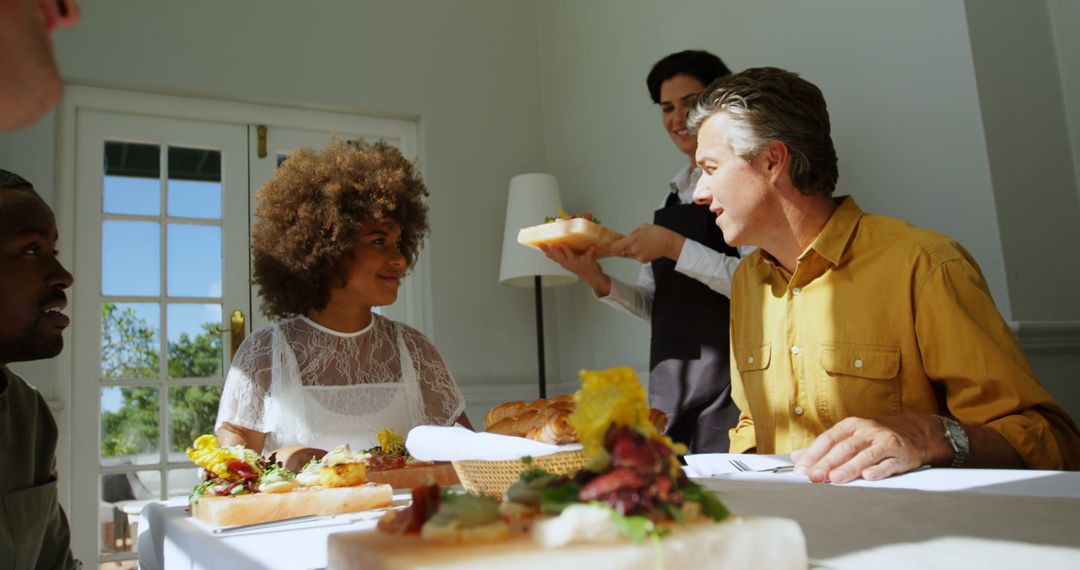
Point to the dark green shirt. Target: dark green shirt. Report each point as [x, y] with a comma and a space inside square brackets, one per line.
[34, 531]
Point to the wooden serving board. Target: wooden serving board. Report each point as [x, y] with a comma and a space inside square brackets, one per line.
[736, 543]
[440, 473]
[303, 501]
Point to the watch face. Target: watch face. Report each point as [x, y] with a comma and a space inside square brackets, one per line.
[958, 440]
[960, 435]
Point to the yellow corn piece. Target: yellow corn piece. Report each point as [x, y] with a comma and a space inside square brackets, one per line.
[390, 442]
[613, 396]
[208, 454]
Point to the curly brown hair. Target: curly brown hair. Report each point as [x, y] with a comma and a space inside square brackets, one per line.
[308, 215]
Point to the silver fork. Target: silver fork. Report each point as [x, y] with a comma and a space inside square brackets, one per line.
[739, 465]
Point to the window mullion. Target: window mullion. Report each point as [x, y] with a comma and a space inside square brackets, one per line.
[163, 361]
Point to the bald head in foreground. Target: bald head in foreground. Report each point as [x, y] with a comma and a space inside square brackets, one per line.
[29, 81]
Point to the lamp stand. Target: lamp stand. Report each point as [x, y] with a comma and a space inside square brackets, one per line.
[540, 334]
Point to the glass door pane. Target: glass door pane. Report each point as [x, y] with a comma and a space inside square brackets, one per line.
[161, 252]
[194, 340]
[130, 347]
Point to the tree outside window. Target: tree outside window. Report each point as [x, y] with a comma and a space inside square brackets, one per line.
[130, 350]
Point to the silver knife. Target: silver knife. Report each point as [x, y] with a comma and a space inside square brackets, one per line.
[269, 524]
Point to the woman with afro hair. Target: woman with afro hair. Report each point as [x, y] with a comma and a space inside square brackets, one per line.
[336, 230]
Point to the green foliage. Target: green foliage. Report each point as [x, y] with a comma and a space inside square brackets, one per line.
[636, 528]
[130, 350]
[196, 358]
[192, 411]
[710, 504]
[129, 347]
[674, 512]
[134, 428]
[466, 510]
[554, 499]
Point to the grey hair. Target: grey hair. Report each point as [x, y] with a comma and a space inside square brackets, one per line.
[767, 104]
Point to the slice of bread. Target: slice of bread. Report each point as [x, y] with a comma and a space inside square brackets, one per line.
[264, 507]
[576, 233]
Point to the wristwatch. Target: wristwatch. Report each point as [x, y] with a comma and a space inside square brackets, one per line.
[958, 440]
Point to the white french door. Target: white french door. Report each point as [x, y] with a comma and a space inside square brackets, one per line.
[161, 257]
[158, 192]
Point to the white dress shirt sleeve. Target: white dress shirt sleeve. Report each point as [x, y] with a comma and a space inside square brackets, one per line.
[709, 266]
[633, 299]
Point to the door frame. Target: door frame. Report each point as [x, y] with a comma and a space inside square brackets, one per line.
[78, 97]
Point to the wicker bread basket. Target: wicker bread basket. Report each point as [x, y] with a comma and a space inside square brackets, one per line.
[493, 477]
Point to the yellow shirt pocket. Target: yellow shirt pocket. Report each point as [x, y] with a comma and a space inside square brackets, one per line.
[753, 357]
[859, 380]
[752, 361]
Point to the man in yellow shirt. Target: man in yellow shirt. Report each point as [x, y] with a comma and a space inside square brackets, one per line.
[863, 345]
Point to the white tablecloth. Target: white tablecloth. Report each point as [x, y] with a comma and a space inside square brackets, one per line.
[1020, 482]
[171, 539]
[1003, 525]
[969, 519]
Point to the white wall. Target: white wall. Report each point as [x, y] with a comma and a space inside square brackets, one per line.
[1064, 20]
[1031, 162]
[467, 70]
[1026, 68]
[902, 96]
[1059, 364]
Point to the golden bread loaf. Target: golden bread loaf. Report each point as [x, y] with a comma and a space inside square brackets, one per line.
[545, 420]
[263, 507]
[502, 411]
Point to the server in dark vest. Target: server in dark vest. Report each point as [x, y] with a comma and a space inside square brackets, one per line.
[685, 279]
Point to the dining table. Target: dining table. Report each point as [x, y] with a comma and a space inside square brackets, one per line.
[931, 518]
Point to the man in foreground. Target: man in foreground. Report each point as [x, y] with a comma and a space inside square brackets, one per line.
[30, 85]
[864, 345]
[35, 532]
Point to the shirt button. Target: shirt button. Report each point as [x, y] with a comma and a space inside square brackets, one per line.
[750, 360]
[798, 410]
[795, 350]
[796, 291]
[858, 363]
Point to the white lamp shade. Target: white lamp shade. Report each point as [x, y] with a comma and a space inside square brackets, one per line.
[532, 198]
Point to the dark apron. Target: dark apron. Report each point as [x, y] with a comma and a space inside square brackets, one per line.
[689, 376]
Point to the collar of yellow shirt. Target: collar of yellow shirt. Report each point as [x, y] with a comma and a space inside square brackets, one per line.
[834, 238]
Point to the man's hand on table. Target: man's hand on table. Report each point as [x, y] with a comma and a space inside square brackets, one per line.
[874, 448]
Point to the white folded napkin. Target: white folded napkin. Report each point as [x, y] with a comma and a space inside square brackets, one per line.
[436, 443]
[713, 464]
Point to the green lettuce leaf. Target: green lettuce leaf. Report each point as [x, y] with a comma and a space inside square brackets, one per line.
[710, 505]
[554, 499]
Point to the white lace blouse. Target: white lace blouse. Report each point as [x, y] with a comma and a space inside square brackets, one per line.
[304, 384]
